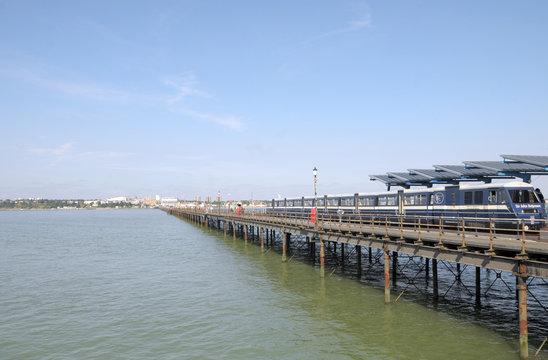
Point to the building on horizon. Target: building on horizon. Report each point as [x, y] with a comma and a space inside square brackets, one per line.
[150, 202]
[117, 199]
[169, 201]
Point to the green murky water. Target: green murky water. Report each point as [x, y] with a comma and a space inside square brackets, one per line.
[142, 284]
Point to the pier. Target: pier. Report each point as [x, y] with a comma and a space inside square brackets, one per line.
[521, 253]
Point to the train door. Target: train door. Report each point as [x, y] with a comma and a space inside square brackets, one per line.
[451, 202]
[401, 209]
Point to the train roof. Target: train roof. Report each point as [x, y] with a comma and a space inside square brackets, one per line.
[511, 184]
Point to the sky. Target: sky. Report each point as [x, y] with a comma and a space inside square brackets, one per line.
[185, 98]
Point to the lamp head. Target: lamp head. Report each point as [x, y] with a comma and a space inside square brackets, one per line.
[315, 171]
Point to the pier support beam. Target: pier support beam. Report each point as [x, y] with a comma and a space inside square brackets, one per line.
[262, 239]
[284, 246]
[394, 268]
[478, 285]
[435, 278]
[521, 287]
[386, 274]
[359, 258]
[322, 257]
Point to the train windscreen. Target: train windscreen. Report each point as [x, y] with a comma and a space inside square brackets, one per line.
[523, 196]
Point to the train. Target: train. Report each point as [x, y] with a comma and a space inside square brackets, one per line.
[507, 205]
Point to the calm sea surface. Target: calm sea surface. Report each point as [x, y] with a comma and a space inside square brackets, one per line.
[140, 284]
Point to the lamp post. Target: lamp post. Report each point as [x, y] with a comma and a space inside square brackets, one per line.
[315, 172]
[219, 201]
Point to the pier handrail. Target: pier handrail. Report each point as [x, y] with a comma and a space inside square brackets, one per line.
[442, 230]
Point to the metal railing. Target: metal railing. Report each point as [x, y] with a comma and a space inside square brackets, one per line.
[442, 230]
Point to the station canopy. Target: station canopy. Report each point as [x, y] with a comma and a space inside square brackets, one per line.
[512, 166]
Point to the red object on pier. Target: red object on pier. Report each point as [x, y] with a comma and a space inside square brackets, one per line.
[313, 215]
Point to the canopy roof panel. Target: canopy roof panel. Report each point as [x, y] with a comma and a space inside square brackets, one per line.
[529, 159]
[433, 174]
[408, 177]
[501, 167]
[513, 166]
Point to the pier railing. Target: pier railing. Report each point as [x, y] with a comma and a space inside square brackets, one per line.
[487, 234]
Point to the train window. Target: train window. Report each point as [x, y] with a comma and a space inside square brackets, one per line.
[321, 202]
[478, 197]
[492, 199]
[382, 200]
[367, 201]
[468, 198]
[347, 201]
[391, 200]
[502, 198]
[308, 202]
[298, 203]
[409, 200]
[421, 199]
[333, 202]
[523, 196]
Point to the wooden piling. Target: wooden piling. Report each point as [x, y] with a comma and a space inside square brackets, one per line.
[435, 278]
[394, 268]
[522, 295]
[359, 258]
[386, 274]
[478, 285]
[284, 245]
[322, 258]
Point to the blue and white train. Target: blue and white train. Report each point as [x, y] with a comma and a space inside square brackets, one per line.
[508, 205]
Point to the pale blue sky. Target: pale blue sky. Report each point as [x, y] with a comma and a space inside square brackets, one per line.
[185, 98]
